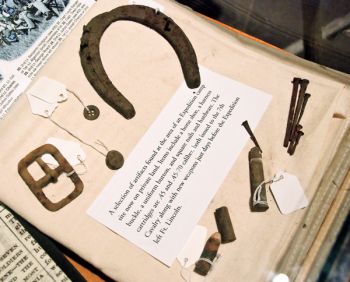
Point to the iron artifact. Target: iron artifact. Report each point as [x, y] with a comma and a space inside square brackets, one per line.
[51, 176]
[224, 224]
[295, 82]
[293, 146]
[204, 264]
[296, 112]
[303, 85]
[302, 110]
[114, 160]
[245, 124]
[159, 22]
[258, 201]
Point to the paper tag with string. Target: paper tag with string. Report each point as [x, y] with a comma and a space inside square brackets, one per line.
[193, 248]
[44, 96]
[40, 107]
[72, 152]
[288, 193]
[48, 90]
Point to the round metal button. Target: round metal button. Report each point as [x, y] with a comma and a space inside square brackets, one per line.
[114, 160]
[91, 114]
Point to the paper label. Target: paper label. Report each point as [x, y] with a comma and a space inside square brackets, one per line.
[193, 248]
[44, 96]
[165, 185]
[48, 90]
[288, 193]
[40, 107]
[71, 151]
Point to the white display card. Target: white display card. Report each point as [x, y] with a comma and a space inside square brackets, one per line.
[157, 197]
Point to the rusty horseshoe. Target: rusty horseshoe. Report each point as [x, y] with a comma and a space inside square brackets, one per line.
[159, 22]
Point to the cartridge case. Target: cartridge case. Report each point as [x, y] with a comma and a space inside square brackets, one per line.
[224, 224]
[208, 255]
[258, 200]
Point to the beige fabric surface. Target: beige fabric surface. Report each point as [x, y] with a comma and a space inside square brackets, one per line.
[145, 68]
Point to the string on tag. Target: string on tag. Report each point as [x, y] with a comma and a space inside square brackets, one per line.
[82, 164]
[183, 268]
[99, 142]
[257, 192]
[75, 136]
[79, 99]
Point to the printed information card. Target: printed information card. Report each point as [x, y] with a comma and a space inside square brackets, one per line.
[157, 197]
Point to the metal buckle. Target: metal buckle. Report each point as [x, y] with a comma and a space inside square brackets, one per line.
[51, 176]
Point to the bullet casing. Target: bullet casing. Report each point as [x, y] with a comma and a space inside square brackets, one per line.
[224, 225]
[209, 253]
[256, 175]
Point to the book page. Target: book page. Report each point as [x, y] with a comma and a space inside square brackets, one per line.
[21, 256]
[30, 32]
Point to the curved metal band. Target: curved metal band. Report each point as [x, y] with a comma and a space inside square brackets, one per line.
[165, 26]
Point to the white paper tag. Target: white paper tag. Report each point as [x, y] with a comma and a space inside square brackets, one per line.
[48, 90]
[288, 193]
[194, 246]
[44, 96]
[149, 3]
[40, 107]
[70, 150]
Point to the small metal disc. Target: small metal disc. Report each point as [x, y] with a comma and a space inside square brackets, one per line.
[114, 160]
[93, 112]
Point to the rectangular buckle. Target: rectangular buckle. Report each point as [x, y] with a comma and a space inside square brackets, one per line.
[51, 176]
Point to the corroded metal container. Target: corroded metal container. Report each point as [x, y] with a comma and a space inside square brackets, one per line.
[258, 200]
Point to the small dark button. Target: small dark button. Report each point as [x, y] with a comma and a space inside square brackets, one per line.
[114, 160]
[93, 112]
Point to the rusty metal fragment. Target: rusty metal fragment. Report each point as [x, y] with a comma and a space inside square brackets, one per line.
[296, 112]
[114, 160]
[296, 82]
[224, 224]
[293, 145]
[51, 176]
[159, 22]
[303, 85]
[245, 124]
